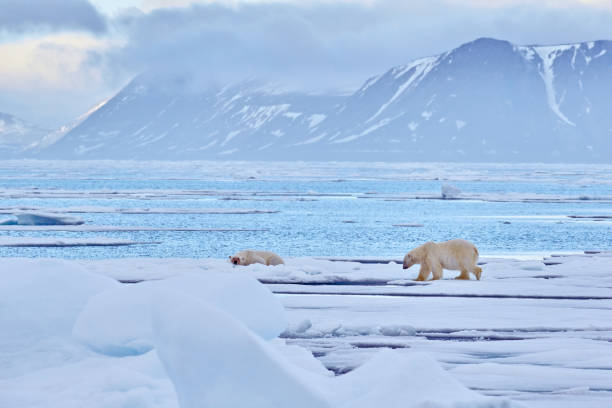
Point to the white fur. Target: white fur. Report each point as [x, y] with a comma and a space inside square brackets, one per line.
[456, 254]
[248, 257]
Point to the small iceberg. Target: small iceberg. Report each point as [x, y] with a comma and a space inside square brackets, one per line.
[449, 191]
[31, 218]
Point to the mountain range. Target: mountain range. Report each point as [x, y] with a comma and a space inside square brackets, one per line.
[487, 100]
[18, 135]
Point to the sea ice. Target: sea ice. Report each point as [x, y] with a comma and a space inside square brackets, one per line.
[118, 322]
[65, 242]
[391, 379]
[230, 368]
[449, 191]
[31, 218]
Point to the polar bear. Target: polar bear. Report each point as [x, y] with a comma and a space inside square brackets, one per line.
[456, 254]
[248, 257]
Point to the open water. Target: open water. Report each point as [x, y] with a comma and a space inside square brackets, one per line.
[310, 209]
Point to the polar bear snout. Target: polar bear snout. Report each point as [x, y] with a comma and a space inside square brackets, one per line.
[235, 260]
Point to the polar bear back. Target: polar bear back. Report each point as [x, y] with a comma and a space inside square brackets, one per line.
[456, 254]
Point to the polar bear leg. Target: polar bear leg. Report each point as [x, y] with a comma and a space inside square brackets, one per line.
[437, 271]
[275, 260]
[423, 273]
[477, 271]
[464, 275]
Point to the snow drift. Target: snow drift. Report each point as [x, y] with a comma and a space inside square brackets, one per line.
[118, 322]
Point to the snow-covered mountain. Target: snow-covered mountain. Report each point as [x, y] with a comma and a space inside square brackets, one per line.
[487, 100]
[52, 137]
[158, 118]
[17, 135]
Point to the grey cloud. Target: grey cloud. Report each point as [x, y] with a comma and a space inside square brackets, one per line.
[332, 45]
[24, 15]
[320, 46]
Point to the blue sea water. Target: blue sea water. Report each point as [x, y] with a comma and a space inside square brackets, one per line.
[335, 209]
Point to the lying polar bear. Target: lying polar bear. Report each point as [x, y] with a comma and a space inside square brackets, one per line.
[456, 254]
[248, 257]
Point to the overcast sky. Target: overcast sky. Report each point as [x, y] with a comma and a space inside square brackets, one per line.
[60, 57]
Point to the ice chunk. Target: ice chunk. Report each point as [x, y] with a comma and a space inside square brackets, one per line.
[397, 330]
[449, 191]
[394, 379]
[228, 368]
[46, 219]
[301, 357]
[118, 322]
[42, 298]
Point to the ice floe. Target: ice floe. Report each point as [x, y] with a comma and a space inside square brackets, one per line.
[36, 218]
[189, 341]
[67, 242]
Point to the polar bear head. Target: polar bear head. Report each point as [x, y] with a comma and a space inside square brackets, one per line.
[236, 260]
[240, 258]
[409, 260]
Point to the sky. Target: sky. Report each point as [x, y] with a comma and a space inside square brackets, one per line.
[58, 58]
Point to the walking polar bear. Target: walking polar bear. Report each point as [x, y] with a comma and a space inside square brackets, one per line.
[248, 257]
[456, 254]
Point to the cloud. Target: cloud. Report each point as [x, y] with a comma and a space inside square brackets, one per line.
[52, 63]
[311, 45]
[324, 44]
[52, 79]
[25, 15]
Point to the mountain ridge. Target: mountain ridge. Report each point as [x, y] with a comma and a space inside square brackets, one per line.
[486, 100]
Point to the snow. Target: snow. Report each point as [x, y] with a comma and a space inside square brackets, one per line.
[233, 368]
[227, 152]
[391, 379]
[548, 56]
[65, 242]
[52, 217]
[285, 171]
[311, 140]
[305, 330]
[230, 136]
[193, 332]
[116, 228]
[460, 124]
[421, 68]
[81, 149]
[260, 148]
[39, 303]
[292, 115]
[527, 52]
[315, 120]
[600, 54]
[118, 322]
[367, 131]
[257, 117]
[371, 81]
